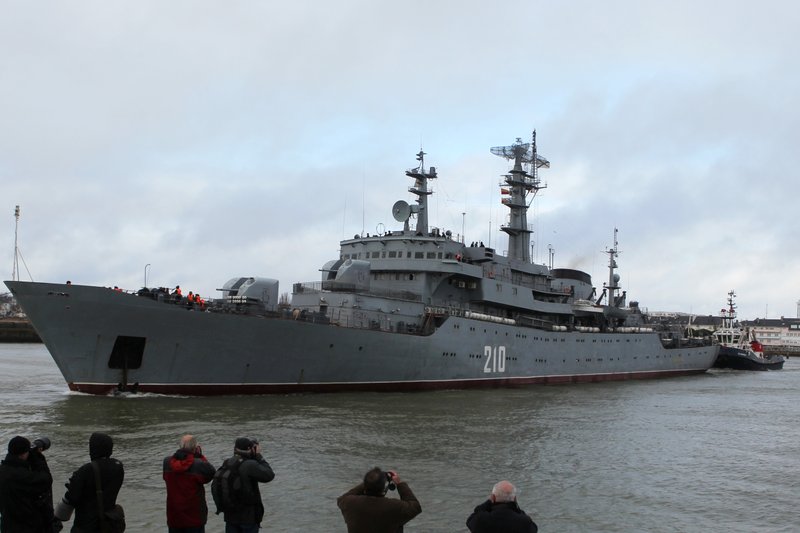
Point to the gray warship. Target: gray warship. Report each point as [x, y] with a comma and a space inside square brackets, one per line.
[409, 309]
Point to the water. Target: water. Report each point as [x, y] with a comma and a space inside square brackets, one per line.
[716, 452]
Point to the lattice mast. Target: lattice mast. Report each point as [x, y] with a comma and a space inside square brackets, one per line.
[420, 189]
[523, 180]
[613, 278]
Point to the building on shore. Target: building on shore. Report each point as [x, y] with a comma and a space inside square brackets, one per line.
[14, 325]
[778, 335]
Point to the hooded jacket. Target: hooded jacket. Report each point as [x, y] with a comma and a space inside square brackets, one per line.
[81, 492]
[185, 473]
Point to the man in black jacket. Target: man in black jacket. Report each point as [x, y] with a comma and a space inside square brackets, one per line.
[500, 513]
[22, 491]
[81, 492]
[248, 511]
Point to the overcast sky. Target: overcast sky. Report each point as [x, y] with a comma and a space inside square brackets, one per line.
[212, 140]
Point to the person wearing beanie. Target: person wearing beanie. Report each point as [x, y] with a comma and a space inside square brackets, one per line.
[185, 473]
[81, 495]
[248, 512]
[22, 491]
[366, 509]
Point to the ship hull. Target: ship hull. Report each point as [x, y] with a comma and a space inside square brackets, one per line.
[180, 351]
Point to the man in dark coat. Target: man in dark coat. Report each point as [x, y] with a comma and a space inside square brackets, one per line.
[185, 473]
[500, 513]
[366, 509]
[248, 512]
[81, 492]
[22, 491]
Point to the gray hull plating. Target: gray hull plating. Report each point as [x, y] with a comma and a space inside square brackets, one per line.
[194, 352]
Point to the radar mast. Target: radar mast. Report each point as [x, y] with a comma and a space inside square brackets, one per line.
[420, 189]
[613, 278]
[519, 183]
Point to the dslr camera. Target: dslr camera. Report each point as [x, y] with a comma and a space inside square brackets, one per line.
[42, 443]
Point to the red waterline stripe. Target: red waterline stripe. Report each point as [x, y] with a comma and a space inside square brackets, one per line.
[220, 389]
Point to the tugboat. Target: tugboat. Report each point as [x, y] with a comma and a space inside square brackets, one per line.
[738, 348]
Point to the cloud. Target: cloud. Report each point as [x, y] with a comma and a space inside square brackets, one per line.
[214, 141]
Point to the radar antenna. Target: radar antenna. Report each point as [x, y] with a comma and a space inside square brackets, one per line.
[525, 151]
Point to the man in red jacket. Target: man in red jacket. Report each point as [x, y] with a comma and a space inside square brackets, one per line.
[185, 473]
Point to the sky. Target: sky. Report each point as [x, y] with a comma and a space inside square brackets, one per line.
[193, 142]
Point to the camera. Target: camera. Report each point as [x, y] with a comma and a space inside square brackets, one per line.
[42, 443]
[390, 485]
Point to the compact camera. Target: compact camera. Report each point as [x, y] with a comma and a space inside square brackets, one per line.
[390, 484]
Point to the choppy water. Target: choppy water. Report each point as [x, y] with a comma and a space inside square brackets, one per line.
[716, 452]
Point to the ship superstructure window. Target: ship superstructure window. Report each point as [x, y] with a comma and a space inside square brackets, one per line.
[392, 254]
[431, 255]
[419, 255]
[127, 352]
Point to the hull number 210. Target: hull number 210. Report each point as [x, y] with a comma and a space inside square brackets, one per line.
[495, 359]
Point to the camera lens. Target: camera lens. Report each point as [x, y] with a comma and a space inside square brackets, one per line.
[41, 442]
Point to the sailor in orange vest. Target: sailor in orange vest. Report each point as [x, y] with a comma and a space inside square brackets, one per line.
[190, 298]
[177, 290]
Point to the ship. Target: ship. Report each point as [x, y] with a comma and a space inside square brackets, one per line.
[738, 347]
[412, 308]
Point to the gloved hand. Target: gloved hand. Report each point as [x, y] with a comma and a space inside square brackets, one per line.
[63, 511]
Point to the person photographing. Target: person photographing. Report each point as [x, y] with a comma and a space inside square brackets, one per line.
[26, 487]
[366, 509]
[235, 487]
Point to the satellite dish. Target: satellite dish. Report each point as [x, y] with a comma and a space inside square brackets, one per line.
[401, 210]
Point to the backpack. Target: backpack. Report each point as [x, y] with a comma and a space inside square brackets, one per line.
[226, 485]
